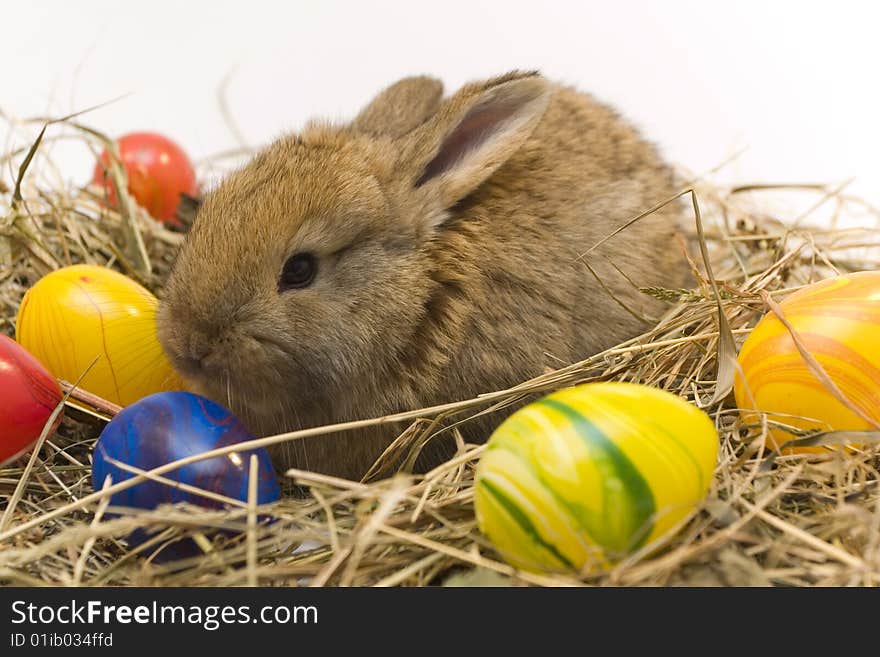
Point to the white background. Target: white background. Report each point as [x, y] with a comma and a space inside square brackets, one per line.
[794, 83]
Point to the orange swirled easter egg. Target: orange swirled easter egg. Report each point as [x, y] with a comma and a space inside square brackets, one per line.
[838, 321]
[78, 313]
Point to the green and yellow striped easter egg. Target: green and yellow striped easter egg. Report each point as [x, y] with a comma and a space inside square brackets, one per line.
[582, 477]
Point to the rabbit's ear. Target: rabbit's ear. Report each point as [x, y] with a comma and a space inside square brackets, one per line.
[477, 131]
[400, 108]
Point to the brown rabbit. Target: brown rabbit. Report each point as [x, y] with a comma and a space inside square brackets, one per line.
[425, 253]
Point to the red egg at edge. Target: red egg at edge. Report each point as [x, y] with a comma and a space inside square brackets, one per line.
[29, 395]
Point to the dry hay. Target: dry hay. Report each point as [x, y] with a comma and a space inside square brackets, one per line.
[792, 520]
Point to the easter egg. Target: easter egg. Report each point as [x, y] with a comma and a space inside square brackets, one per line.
[77, 313]
[158, 172]
[28, 395]
[169, 426]
[838, 322]
[580, 478]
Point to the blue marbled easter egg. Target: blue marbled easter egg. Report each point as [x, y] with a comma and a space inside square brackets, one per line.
[168, 426]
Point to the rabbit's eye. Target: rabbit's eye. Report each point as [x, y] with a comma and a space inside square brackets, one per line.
[299, 271]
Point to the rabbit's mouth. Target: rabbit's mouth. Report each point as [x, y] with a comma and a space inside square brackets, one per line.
[260, 378]
[240, 377]
[270, 410]
[256, 402]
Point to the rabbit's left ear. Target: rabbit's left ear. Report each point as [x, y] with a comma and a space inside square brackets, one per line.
[474, 134]
[400, 108]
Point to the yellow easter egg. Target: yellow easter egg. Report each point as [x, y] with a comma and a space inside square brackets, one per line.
[584, 476]
[78, 313]
[838, 321]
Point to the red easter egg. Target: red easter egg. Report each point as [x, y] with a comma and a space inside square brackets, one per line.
[158, 171]
[28, 395]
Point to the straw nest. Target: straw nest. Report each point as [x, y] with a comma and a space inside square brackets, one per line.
[788, 520]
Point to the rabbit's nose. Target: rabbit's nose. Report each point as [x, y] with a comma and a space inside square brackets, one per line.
[199, 352]
[199, 346]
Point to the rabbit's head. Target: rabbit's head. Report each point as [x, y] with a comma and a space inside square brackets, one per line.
[308, 273]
